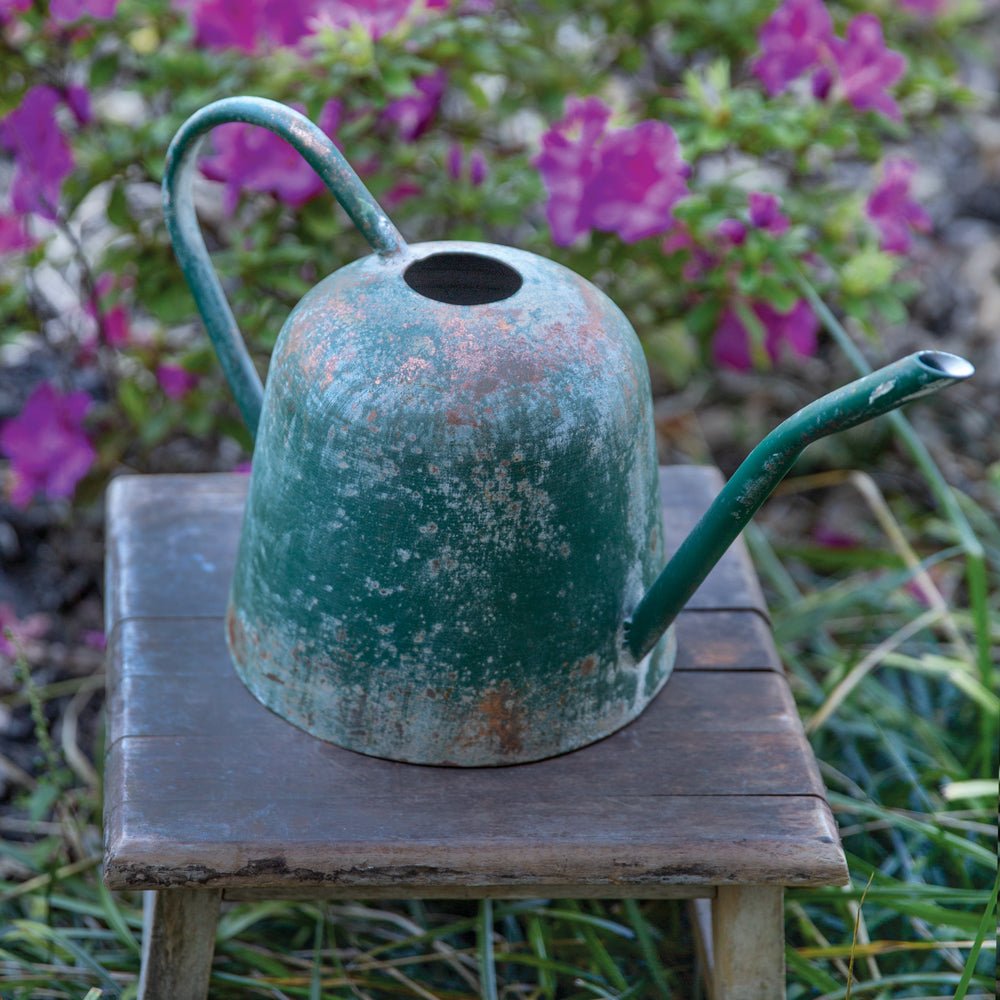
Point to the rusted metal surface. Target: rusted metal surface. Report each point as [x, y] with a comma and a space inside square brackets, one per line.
[451, 513]
[452, 544]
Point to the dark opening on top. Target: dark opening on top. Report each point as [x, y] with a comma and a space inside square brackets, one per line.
[462, 279]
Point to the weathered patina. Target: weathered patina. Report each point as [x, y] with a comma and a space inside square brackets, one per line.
[453, 514]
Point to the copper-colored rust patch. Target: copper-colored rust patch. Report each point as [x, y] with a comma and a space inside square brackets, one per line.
[503, 718]
[275, 678]
[587, 665]
[237, 638]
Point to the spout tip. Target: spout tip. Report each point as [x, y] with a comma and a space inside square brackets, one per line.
[946, 365]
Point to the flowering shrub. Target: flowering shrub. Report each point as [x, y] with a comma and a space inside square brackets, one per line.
[680, 154]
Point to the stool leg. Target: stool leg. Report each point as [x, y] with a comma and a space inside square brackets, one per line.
[178, 941]
[748, 931]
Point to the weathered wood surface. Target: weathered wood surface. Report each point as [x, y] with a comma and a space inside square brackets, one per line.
[178, 942]
[714, 784]
[748, 950]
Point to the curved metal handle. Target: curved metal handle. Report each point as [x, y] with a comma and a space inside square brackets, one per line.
[182, 224]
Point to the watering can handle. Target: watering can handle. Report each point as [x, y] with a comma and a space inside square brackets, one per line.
[182, 224]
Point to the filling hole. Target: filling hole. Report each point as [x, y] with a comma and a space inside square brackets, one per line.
[462, 279]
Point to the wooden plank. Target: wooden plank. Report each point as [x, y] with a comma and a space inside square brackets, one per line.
[637, 842]
[178, 942]
[242, 894]
[726, 640]
[217, 770]
[171, 545]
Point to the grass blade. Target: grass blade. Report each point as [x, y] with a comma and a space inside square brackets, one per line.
[487, 961]
[984, 928]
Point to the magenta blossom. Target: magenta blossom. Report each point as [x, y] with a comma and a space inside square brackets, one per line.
[249, 25]
[456, 165]
[11, 7]
[865, 68]
[67, 11]
[13, 235]
[19, 629]
[796, 328]
[891, 208]
[624, 181]
[41, 153]
[176, 382]
[765, 212]
[48, 450]
[377, 17]
[798, 40]
[680, 240]
[568, 161]
[732, 231]
[77, 99]
[793, 41]
[247, 156]
[413, 114]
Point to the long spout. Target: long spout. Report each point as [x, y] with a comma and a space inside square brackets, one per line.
[756, 479]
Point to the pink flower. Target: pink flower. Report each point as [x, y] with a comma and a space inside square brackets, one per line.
[31, 627]
[700, 261]
[66, 11]
[792, 41]
[798, 39]
[413, 113]
[9, 7]
[568, 161]
[47, 447]
[176, 382]
[891, 208]
[94, 638]
[247, 156]
[456, 165]
[624, 181]
[865, 67]
[78, 101]
[250, 25]
[377, 17]
[401, 192]
[765, 212]
[797, 328]
[831, 538]
[41, 154]
[116, 329]
[731, 231]
[13, 235]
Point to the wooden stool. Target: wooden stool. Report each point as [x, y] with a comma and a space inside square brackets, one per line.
[712, 795]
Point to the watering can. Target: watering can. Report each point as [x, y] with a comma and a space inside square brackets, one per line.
[452, 550]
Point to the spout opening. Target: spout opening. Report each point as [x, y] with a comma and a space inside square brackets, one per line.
[462, 279]
[943, 363]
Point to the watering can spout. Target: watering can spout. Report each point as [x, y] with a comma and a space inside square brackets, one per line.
[763, 469]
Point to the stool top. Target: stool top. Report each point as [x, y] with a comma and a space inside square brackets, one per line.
[713, 784]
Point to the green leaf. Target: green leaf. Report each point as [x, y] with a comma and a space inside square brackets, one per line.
[868, 272]
[134, 402]
[118, 213]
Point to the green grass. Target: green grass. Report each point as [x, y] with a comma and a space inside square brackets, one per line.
[892, 689]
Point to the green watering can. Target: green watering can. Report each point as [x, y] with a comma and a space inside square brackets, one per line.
[452, 551]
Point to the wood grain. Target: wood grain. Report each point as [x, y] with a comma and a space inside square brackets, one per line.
[713, 785]
[178, 942]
